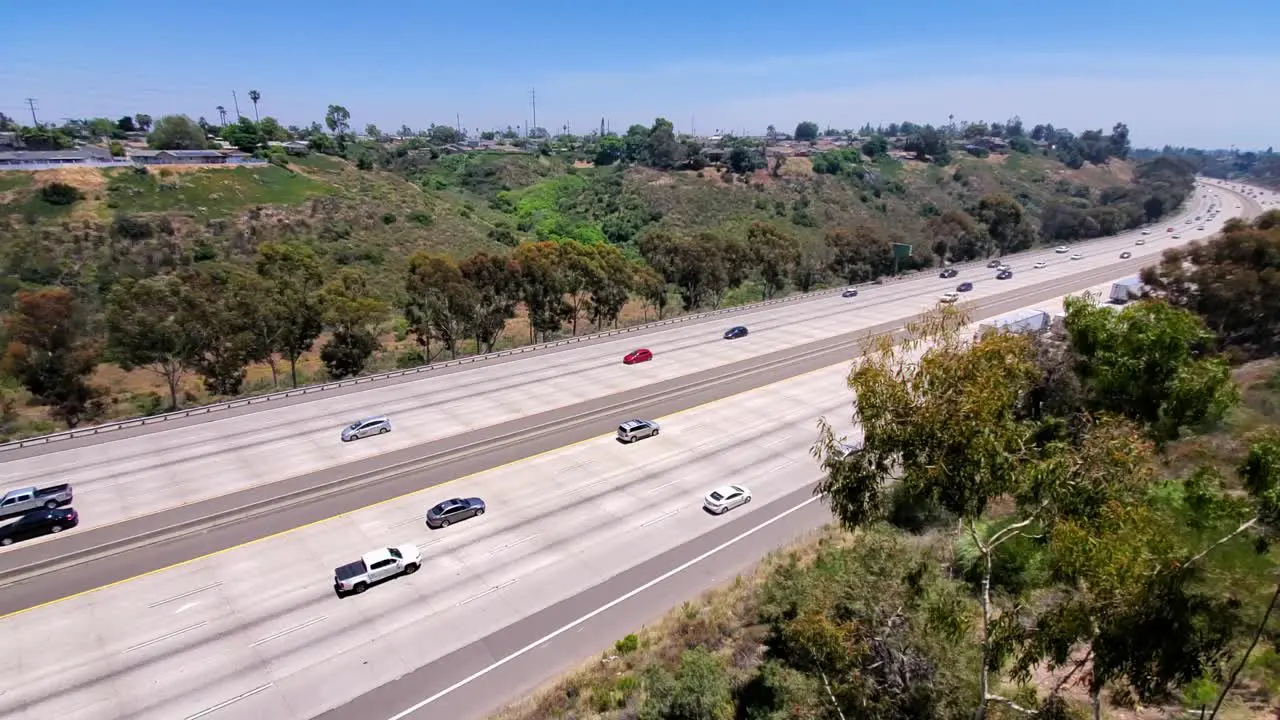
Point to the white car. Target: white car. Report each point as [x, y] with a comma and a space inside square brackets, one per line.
[725, 498]
[1061, 249]
[1177, 237]
[1077, 256]
[949, 297]
[1146, 232]
[1040, 265]
[1141, 242]
[1200, 227]
[1003, 268]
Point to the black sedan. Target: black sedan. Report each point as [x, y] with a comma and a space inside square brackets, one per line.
[994, 264]
[964, 287]
[1004, 274]
[451, 511]
[37, 523]
[734, 333]
[948, 273]
[851, 292]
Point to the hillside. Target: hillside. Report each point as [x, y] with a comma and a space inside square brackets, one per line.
[826, 218]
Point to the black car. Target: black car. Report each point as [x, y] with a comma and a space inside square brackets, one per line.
[734, 333]
[1004, 274]
[964, 287]
[451, 511]
[994, 264]
[851, 292]
[40, 522]
[948, 273]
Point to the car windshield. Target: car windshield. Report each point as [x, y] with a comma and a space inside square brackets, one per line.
[395, 553]
[354, 425]
[715, 495]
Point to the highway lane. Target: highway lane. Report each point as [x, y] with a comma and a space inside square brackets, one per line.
[145, 475]
[256, 631]
[175, 643]
[52, 571]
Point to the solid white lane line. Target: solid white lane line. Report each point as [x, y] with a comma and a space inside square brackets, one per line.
[488, 592]
[776, 440]
[162, 638]
[286, 631]
[603, 608]
[660, 518]
[513, 543]
[224, 703]
[189, 593]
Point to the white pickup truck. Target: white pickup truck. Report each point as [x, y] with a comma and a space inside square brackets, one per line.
[23, 500]
[374, 567]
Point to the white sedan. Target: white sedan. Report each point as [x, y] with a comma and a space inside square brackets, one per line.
[725, 498]
[1040, 265]
[1060, 249]
[949, 297]
[1146, 232]
[1077, 256]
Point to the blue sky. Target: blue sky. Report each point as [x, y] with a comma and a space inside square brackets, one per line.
[1176, 71]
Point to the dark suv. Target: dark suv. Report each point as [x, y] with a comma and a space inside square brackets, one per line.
[734, 333]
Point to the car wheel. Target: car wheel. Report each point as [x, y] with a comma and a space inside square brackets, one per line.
[656, 431]
[744, 502]
[6, 541]
[411, 568]
[52, 504]
[384, 430]
[479, 512]
[359, 588]
[55, 529]
[444, 523]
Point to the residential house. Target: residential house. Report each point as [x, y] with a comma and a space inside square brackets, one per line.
[38, 159]
[189, 157]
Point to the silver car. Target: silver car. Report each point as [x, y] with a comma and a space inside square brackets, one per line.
[725, 498]
[633, 430]
[366, 427]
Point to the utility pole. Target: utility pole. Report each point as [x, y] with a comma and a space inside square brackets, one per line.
[236, 100]
[458, 118]
[533, 102]
[31, 103]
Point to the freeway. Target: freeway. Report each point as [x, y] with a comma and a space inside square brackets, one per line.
[144, 482]
[256, 631]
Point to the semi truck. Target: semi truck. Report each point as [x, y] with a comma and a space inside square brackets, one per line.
[1019, 321]
[1126, 290]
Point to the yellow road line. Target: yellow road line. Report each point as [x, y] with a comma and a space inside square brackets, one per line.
[433, 488]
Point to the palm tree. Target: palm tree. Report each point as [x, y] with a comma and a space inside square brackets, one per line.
[254, 95]
[222, 115]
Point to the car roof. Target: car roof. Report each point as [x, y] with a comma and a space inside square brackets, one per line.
[635, 423]
[374, 418]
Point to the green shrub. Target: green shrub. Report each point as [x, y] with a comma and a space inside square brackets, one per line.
[421, 217]
[627, 645]
[388, 218]
[58, 193]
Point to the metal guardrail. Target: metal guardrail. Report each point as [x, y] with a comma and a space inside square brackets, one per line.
[322, 387]
[366, 379]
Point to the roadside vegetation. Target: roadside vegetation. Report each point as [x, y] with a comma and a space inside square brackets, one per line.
[1074, 525]
[346, 255]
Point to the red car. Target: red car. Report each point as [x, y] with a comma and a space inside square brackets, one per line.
[637, 356]
[1169, 230]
